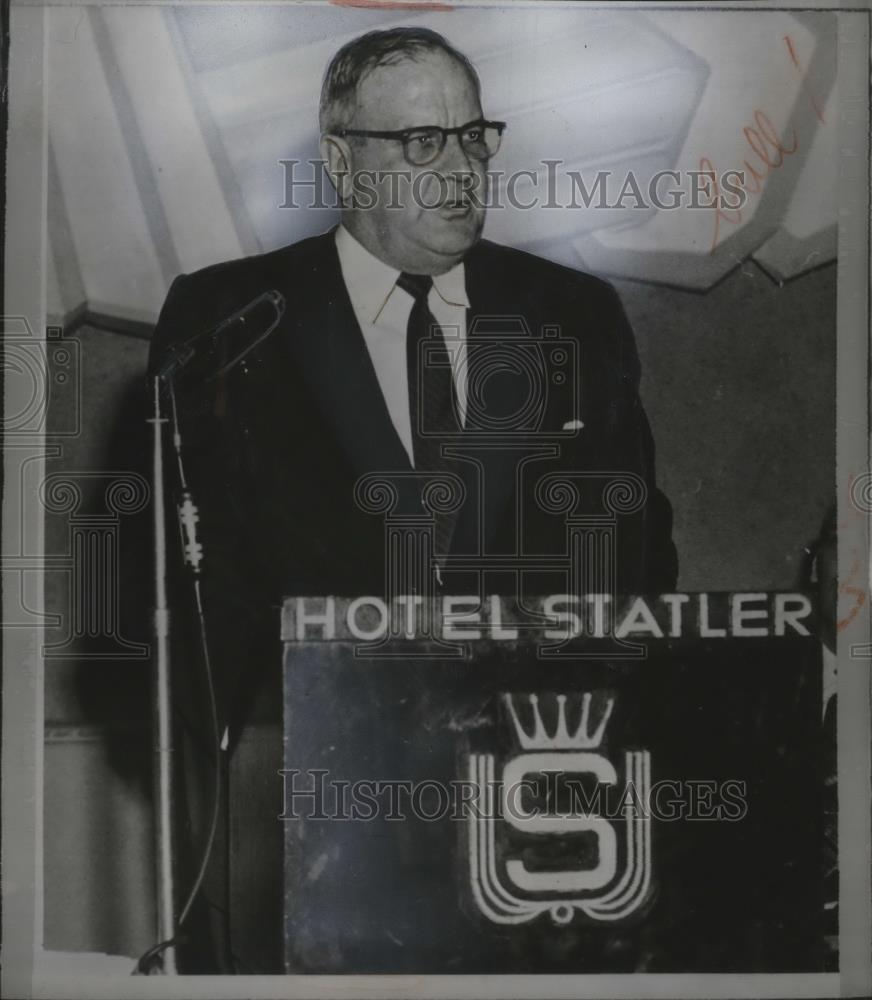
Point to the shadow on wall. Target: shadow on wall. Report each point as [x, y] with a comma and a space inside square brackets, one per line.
[739, 386]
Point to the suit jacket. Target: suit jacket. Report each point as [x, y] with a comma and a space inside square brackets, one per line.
[274, 449]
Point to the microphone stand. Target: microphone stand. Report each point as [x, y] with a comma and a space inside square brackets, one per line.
[162, 706]
[177, 358]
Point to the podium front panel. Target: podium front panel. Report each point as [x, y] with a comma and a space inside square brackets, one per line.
[505, 812]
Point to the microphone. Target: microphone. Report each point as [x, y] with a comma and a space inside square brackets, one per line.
[241, 332]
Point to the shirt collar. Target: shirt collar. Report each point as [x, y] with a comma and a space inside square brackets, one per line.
[370, 282]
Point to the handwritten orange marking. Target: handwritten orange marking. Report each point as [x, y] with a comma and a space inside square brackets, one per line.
[713, 193]
[769, 149]
[771, 152]
[788, 41]
[769, 140]
[393, 4]
[859, 596]
[847, 586]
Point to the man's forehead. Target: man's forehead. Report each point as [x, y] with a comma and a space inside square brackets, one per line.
[431, 83]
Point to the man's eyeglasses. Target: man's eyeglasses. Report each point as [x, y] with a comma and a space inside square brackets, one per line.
[479, 140]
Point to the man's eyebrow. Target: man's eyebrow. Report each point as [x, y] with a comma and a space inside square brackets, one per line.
[470, 121]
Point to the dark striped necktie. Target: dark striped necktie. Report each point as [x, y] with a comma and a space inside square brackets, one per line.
[432, 399]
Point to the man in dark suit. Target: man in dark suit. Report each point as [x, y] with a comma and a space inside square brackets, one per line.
[275, 449]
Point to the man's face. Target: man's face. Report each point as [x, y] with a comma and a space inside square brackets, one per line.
[422, 223]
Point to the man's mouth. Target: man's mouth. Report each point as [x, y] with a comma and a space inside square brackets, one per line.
[455, 208]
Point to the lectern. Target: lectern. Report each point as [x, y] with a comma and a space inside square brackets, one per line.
[513, 789]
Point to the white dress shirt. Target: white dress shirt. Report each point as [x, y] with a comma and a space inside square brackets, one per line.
[382, 310]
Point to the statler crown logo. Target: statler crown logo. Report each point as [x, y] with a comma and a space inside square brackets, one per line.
[581, 739]
[509, 882]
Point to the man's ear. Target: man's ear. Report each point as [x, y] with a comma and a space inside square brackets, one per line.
[336, 154]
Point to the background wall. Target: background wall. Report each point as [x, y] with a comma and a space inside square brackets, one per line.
[153, 174]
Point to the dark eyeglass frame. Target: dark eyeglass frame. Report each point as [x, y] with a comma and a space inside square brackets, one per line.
[405, 134]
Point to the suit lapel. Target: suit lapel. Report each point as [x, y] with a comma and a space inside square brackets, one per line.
[328, 347]
[490, 305]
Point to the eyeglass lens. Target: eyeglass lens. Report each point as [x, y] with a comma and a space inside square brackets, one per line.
[478, 141]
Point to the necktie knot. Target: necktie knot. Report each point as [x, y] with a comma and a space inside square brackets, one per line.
[417, 285]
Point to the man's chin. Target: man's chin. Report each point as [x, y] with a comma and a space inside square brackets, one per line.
[454, 236]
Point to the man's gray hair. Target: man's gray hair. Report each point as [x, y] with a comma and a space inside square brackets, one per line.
[363, 54]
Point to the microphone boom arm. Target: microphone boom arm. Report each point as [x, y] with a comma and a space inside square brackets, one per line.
[180, 355]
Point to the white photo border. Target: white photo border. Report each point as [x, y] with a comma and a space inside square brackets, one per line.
[30, 971]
